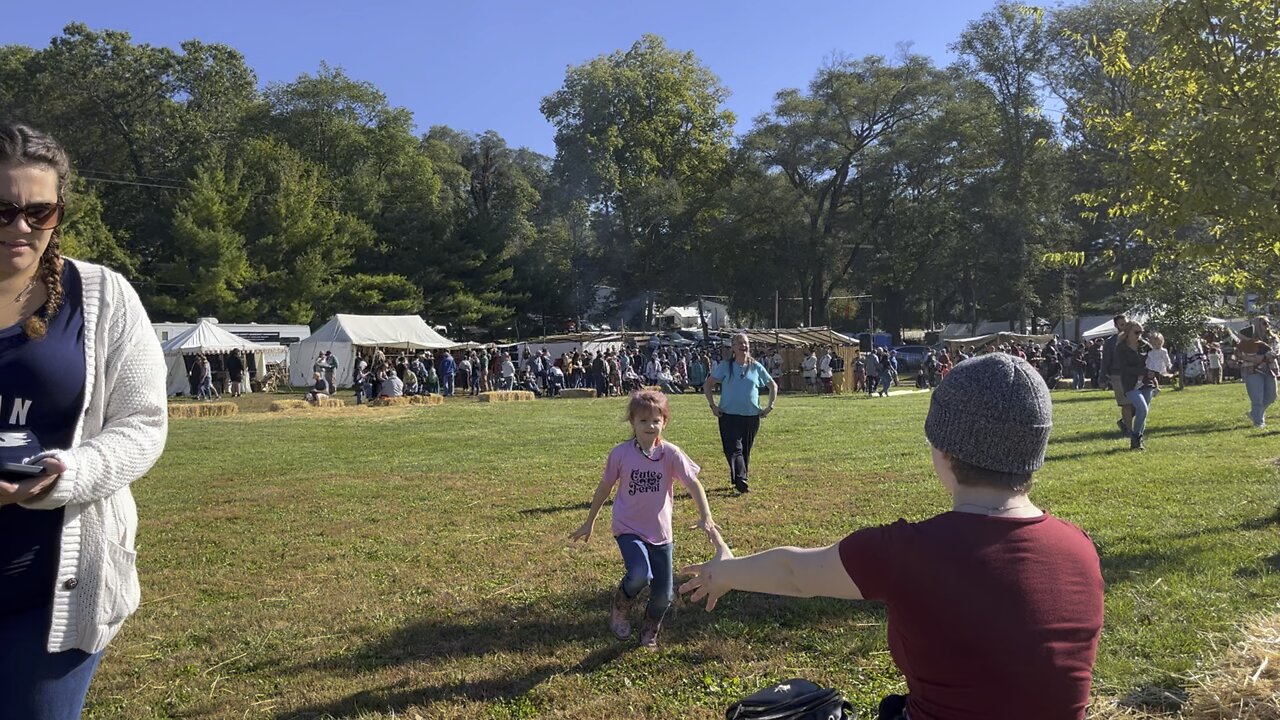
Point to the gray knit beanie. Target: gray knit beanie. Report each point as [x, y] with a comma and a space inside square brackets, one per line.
[992, 411]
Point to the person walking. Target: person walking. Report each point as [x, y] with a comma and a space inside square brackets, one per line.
[1257, 352]
[1129, 360]
[1108, 369]
[739, 412]
[75, 337]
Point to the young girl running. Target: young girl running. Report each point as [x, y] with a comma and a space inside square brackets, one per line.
[648, 467]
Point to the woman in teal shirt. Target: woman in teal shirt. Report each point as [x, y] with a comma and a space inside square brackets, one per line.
[739, 411]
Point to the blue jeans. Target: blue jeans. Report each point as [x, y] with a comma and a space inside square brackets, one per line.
[34, 684]
[1077, 380]
[1262, 392]
[647, 565]
[446, 384]
[1141, 399]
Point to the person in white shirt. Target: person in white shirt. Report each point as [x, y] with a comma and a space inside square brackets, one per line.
[824, 371]
[1213, 351]
[392, 385]
[809, 370]
[1158, 362]
[508, 373]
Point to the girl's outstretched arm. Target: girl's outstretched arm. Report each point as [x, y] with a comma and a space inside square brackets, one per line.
[705, 523]
[603, 490]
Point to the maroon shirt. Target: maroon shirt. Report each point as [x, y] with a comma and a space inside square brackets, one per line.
[989, 617]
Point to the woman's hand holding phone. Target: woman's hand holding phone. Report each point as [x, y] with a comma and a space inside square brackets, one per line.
[18, 491]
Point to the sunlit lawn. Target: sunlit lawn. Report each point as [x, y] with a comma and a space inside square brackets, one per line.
[392, 562]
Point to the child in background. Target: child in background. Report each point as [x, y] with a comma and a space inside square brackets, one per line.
[649, 467]
[1158, 362]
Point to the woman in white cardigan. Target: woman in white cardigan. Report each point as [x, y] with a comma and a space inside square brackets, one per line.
[82, 393]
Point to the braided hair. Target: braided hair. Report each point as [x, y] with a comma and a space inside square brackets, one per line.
[22, 145]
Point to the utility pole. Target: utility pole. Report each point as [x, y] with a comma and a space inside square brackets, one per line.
[702, 318]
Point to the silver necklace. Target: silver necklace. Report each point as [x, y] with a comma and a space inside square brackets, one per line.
[987, 510]
[25, 292]
[639, 447]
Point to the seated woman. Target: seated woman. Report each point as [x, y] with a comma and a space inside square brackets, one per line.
[319, 388]
[995, 607]
[433, 382]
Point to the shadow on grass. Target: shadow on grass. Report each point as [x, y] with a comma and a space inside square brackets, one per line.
[1270, 564]
[566, 635]
[1154, 431]
[574, 507]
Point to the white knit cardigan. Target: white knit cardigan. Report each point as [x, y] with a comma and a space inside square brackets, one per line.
[119, 436]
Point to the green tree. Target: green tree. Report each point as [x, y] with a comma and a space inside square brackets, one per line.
[643, 138]
[210, 274]
[1019, 207]
[818, 142]
[1202, 142]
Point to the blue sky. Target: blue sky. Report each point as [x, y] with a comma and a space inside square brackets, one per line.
[485, 65]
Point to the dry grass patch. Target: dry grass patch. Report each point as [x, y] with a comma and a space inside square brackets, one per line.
[578, 393]
[194, 410]
[506, 396]
[1244, 685]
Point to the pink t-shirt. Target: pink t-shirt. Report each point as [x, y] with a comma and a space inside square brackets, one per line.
[642, 502]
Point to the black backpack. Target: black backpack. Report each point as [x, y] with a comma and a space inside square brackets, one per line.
[794, 699]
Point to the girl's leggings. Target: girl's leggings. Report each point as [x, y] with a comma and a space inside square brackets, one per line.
[647, 564]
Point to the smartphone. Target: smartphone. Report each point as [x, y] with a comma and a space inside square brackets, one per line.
[17, 472]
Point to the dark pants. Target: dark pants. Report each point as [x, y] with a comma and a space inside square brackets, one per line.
[737, 435]
[34, 684]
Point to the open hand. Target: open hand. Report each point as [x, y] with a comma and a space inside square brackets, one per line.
[24, 490]
[707, 583]
[709, 527]
[583, 532]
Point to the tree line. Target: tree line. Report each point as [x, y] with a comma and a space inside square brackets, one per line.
[1036, 176]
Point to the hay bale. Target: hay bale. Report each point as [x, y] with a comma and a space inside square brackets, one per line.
[506, 396]
[282, 405]
[578, 393]
[194, 410]
[1063, 384]
[388, 401]
[426, 400]
[654, 388]
[325, 403]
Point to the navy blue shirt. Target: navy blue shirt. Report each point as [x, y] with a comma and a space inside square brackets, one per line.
[41, 396]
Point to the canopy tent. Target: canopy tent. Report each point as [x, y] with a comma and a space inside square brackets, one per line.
[206, 338]
[1108, 328]
[558, 345]
[998, 337]
[797, 337]
[344, 333]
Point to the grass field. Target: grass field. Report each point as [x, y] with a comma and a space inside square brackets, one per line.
[405, 562]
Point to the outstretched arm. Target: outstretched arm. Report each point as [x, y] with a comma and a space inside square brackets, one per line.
[795, 572]
[603, 490]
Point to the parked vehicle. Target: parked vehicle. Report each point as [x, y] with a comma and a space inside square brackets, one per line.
[911, 357]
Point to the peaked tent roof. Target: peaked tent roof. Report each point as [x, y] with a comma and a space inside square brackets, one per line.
[410, 332]
[206, 337]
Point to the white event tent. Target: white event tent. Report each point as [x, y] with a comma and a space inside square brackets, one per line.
[206, 338]
[344, 333]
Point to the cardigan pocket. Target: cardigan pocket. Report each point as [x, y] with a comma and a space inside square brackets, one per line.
[120, 591]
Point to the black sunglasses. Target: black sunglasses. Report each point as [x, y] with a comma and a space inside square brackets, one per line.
[40, 216]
